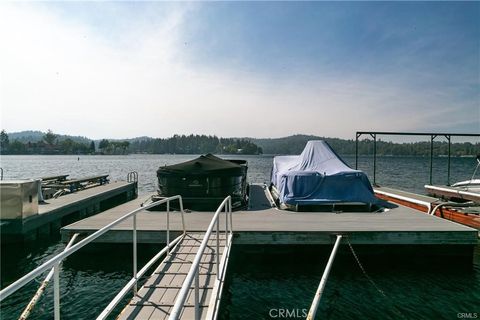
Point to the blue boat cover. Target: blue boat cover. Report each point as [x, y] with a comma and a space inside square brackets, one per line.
[319, 176]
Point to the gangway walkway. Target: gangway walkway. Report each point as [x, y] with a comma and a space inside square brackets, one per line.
[187, 284]
[156, 298]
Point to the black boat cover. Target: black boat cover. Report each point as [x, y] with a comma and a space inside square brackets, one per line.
[319, 176]
[203, 165]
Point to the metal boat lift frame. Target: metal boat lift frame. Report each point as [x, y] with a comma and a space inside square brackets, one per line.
[374, 134]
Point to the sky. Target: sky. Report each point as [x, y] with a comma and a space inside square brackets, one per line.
[239, 69]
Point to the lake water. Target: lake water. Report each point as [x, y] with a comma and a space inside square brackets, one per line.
[258, 284]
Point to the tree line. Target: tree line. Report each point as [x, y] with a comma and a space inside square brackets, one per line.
[195, 144]
[295, 144]
[50, 144]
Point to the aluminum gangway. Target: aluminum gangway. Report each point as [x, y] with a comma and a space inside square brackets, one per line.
[188, 284]
[196, 258]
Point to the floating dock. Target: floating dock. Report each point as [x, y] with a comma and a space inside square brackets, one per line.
[453, 193]
[468, 215]
[57, 212]
[261, 223]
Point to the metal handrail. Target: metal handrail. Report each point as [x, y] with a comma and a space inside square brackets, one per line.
[321, 286]
[55, 261]
[428, 205]
[132, 176]
[194, 269]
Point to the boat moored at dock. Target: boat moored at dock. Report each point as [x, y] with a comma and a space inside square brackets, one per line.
[319, 180]
[205, 181]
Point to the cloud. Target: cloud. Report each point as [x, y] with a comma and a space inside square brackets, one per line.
[72, 77]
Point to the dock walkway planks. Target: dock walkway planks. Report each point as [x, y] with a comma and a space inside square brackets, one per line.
[76, 198]
[155, 299]
[55, 212]
[262, 224]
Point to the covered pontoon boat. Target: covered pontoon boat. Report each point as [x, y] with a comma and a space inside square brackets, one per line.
[205, 181]
[319, 180]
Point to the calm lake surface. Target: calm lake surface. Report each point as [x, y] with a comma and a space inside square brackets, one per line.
[414, 288]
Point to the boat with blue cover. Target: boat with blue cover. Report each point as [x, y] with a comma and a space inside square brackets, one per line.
[319, 180]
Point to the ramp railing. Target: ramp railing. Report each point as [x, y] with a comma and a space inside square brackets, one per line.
[57, 260]
[193, 273]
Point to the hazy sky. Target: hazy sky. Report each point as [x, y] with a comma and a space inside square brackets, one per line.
[117, 69]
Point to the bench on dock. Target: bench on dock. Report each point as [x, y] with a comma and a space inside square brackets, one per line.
[53, 179]
[77, 184]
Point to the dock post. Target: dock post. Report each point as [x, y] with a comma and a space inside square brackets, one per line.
[357, 135]
[374, 136]
[449, 155]
[432, 137]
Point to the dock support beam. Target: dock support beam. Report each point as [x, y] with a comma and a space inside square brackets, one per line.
[323, 281]
[432, 137]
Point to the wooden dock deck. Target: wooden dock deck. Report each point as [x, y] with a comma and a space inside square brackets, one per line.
[262, 224]
[157, 296]
[54, 213]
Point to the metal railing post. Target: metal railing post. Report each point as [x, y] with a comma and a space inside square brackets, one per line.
[356, 150]
[135, 253]
[181, 210]
[56, 291]
[432, 137]
[375, 159]
[231, 215]
[168, 227]
[449, 156]
[197, 295]
[226, 219]
[217, 253]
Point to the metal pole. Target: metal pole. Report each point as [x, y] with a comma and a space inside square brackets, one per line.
[135, 253]
[168, 227]
[197, 295]
[356, 150]
[226, 219]
[374, 159]
[231, 215]
[323, 281]
[431, 157]
[56, 291]
[449, 155]
[180, 200]
[217, 253]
